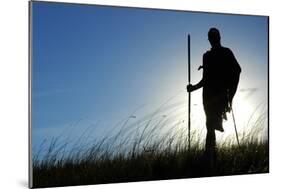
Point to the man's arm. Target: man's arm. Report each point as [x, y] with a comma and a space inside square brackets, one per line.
[191, 88]
[234, 76]
[200, 84]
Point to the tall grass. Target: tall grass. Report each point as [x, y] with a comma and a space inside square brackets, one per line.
[151, 149]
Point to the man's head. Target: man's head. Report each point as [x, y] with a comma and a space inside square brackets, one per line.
[214, 37]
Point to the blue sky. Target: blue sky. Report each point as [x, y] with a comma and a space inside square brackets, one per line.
[99, 64]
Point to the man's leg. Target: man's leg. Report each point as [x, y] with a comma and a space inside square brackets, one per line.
[210, 147]
[210, 139]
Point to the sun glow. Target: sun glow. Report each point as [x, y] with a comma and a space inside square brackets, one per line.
[242, 110]
[249, 115]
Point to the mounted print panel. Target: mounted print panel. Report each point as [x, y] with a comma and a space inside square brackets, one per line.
[122, 94]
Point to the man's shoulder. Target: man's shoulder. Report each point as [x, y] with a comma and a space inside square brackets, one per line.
[227, 50]
[221, 50]
[207, 53]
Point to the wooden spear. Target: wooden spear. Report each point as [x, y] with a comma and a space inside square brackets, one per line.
[189, 93]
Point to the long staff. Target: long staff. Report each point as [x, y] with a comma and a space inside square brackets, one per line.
[189, 93]
[234, 122]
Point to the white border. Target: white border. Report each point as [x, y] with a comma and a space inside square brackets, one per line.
[14, 91]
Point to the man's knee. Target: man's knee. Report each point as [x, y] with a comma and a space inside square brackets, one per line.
[214, 122]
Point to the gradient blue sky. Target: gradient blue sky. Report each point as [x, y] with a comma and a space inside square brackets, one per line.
[98, 64]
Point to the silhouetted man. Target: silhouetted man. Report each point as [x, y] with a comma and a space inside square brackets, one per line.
[221, 73]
